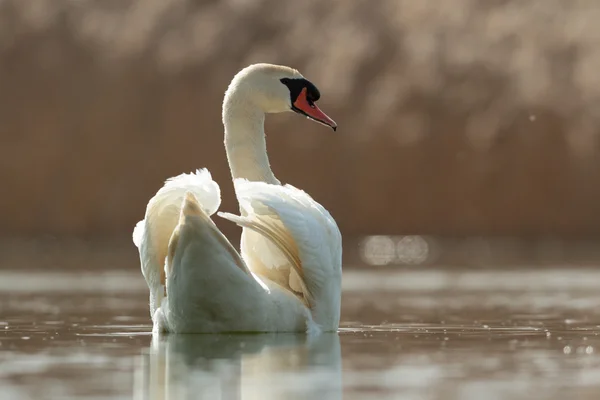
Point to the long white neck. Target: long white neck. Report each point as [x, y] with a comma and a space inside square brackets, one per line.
[245, 140]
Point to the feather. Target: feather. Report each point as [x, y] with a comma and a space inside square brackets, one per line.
[279, 237]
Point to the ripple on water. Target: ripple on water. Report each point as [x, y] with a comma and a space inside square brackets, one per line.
[430, 334]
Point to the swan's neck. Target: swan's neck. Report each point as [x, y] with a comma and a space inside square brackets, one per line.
[245, 142]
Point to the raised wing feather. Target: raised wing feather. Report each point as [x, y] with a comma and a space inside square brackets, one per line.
[271, 229]
[299, 228]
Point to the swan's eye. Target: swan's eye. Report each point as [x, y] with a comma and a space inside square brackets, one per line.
[296, 86]
[311, 97]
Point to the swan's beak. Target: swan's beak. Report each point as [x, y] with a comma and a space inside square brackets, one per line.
[312, 111]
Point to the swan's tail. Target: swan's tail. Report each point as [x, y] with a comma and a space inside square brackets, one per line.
[152, 235]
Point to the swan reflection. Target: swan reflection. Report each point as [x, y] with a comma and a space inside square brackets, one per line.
[256, 366]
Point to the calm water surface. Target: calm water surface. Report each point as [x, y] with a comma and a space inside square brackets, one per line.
[407, 334]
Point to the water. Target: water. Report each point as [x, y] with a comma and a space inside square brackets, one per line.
[405, 334]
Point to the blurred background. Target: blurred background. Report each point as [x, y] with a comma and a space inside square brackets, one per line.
[468, 130]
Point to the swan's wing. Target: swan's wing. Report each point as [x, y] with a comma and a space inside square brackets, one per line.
[297, 229]
[152, 234]
[192, 209]
[283, 246]
[209, 287]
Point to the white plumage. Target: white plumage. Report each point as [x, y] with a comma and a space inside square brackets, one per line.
[310, 234]
[288, 277]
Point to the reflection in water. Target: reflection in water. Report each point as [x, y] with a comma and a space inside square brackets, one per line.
[260, 366]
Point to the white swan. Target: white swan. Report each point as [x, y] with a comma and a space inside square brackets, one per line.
[288, 277]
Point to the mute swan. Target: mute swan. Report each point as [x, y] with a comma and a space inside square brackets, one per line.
[288, 276]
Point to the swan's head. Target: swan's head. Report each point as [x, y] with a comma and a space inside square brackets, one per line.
[276, 89]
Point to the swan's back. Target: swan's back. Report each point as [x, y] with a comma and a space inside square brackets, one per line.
[152, 234]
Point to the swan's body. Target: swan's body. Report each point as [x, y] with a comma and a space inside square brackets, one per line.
[288, 277]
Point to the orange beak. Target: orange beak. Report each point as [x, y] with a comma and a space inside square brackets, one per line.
[310, 109]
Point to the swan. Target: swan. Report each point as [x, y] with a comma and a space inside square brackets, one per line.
[287, 275]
